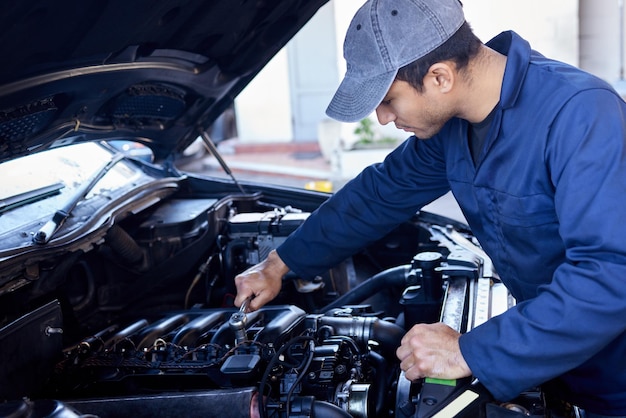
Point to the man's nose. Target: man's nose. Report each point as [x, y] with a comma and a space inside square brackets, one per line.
[384, 116]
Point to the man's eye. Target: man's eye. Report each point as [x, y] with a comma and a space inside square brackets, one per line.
[386, 102]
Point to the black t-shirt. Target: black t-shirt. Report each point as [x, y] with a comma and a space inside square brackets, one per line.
[477, 135]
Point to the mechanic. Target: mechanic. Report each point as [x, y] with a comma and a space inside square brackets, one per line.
[533, 151]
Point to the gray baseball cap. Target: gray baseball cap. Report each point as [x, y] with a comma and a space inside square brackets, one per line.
[384, 36]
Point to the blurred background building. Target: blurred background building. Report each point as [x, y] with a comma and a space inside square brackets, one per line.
[286, 102]
[277, 130]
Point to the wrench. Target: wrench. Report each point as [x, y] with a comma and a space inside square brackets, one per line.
[238, 321]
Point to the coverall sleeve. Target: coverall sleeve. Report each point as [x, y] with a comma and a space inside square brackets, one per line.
[583, 310]
[381, 197]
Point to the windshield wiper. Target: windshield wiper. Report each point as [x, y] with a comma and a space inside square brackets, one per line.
[60, 216]
[30, 196]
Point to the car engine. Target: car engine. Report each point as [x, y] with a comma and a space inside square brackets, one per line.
[141, 322]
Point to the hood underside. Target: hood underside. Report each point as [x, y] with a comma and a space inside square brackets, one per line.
[154, 71]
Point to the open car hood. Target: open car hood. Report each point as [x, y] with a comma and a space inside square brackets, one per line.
[156, 71]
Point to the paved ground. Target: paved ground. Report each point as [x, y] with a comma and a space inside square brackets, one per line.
[285, 164]
[294, 164]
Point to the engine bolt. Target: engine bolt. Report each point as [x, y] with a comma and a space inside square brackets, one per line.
[53, 330]
[312, 376]
[430, 401]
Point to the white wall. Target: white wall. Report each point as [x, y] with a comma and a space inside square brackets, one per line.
[551, 26]
[254, 112]
[263, 107]
[600, 37]
[313, 72]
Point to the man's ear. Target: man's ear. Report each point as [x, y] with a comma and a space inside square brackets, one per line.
[442, 76]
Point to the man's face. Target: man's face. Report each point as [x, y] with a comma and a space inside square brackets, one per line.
[421, 113]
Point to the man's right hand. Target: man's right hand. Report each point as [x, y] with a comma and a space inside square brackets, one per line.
[262, 281]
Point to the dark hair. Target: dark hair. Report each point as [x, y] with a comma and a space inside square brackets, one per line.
[459, 48]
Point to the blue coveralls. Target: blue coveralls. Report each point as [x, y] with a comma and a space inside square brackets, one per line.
[546, 200]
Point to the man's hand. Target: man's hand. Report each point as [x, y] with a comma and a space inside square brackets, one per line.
[262, 281]
[432, 350]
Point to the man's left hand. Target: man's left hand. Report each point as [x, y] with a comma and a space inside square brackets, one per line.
[432, 350]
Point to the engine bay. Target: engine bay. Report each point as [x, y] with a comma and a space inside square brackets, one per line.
[143, 323]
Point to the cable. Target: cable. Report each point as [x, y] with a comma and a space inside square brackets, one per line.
[300, 376]
[275, 359]
[201, 272]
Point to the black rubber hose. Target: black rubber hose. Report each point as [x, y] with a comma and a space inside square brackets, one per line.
[395, 276]
[382, 377]
[230, 251]
[388, 336]
[325, 409]
[364, 329]
[124, 245]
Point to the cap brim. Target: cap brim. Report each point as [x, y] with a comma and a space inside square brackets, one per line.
[356, 99]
